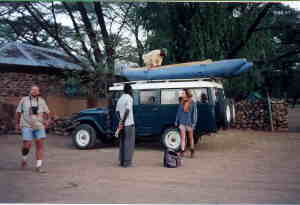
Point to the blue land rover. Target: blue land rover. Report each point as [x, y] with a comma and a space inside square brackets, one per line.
[155, 108]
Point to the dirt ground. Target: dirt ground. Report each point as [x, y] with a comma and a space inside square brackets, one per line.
[232, 166]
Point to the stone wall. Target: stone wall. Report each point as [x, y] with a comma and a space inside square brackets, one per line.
[16, 84]
[7, 120]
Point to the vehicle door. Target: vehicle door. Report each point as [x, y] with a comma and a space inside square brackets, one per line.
[147, 113]
[169, 106]
[206, 110]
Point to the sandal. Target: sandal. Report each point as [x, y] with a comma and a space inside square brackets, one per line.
[182, 153]
[192, 153]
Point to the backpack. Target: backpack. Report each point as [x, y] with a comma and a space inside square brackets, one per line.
[171, 159]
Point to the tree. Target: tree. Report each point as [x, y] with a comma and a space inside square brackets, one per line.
[264, 33]
[87, 38]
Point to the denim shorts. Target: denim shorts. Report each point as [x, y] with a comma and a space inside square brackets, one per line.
[185, 128]
[29, 134]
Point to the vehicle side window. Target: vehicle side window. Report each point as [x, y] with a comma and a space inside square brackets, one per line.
[117, 94]
[150, 97]
[169, 96]
[135, 97]
[214, 95]
[196, 92]
[204, 95]
[200, 94]
[219, 93]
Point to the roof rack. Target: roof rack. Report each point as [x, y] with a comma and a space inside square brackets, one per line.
[210, 79]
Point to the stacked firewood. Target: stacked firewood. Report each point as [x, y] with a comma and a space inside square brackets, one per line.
[255, 115]
[61, 126]
[252, 115]
[280, 115]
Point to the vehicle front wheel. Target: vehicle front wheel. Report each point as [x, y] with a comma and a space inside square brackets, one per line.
[84, 137]
[227, 119]
[171, 139]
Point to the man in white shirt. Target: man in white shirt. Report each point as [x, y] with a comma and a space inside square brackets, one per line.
[124, 110]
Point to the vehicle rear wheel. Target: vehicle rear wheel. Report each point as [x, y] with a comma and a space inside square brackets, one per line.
[233, 113]
[227, 117]
[223, 109]
[84, 137]
[171, 139]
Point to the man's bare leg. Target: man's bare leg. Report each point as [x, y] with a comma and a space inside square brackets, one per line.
[25, 150]
[39, 154]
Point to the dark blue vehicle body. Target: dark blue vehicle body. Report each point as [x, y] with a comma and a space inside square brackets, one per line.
[150, 119]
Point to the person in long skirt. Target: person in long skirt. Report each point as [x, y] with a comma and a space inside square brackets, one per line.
[124, 110]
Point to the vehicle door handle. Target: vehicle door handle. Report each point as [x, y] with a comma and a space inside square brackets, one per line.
[155, 109]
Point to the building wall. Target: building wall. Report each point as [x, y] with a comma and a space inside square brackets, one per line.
[61, 106]
[18, 83]
[15, 85]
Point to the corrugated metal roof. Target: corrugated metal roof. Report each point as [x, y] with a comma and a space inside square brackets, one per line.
[15, 53]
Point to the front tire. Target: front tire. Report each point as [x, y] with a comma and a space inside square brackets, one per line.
[171, 139]
[84, 137]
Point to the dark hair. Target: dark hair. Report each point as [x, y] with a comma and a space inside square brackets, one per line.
[128, 89]
[204, 98]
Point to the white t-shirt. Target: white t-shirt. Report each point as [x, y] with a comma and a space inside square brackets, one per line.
[126, 102]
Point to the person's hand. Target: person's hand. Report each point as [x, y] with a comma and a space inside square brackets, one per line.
[117, 133]
[121, 126]
[46, 123]
[17, 127]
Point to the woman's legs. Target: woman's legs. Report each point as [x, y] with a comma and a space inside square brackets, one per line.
[191, 138]
[182, 137]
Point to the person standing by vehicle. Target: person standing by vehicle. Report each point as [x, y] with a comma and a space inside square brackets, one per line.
[32, 116]
[186, 119]
[124, 111]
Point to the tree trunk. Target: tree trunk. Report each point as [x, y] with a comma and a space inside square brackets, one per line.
[109, 48]
[90, 31]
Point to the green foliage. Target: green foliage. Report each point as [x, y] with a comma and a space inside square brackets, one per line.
[189, 31]
[194, 31]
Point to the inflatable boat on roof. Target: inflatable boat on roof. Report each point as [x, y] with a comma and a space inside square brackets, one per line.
[216, 69]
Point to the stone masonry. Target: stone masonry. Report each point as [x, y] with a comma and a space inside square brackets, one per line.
[17, 84]
[14, 85]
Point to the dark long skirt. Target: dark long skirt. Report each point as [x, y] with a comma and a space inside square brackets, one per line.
[127, 144]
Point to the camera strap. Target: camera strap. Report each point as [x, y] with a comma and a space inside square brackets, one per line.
[37, 101]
